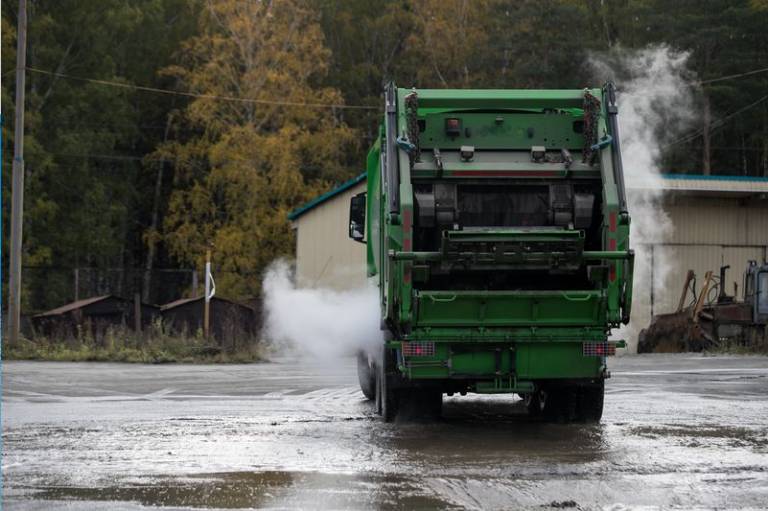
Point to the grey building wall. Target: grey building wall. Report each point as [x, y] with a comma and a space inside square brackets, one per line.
[709, 232]
[325, 255]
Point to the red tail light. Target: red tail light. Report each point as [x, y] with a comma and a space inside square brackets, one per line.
[453, 127]
[598, 349]
[419, 349]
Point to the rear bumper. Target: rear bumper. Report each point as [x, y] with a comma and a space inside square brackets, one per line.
[503, 366]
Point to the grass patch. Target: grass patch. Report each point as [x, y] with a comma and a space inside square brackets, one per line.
[155, 346]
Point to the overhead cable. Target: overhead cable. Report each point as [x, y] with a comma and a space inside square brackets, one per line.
[236, 99]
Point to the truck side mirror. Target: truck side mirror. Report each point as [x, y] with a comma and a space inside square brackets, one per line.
[357, 217]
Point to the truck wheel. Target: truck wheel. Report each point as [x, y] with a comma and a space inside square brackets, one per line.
[566, 406]
[366, 376]
[590, 405]
[434, 403]
[535, 402]
[553, 404]
[387, 399]
[421, 403]
[377, 388]
[390, 403]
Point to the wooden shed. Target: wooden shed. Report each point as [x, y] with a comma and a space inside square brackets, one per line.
[93, 315]
[230, 321]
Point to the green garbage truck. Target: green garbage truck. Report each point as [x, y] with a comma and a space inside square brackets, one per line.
[497, 232]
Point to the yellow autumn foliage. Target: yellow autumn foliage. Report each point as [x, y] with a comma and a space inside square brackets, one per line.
[245, 164]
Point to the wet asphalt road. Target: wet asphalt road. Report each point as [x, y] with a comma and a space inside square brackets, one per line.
[679, 431]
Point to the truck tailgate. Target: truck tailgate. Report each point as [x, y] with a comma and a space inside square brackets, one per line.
[509, 308]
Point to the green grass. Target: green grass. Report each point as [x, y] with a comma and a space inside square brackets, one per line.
[156, 346]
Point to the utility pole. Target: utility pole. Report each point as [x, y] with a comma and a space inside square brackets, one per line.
[17, 181]
[137, 314]
[208, 295]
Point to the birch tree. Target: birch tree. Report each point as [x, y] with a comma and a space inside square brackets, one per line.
[251, 147]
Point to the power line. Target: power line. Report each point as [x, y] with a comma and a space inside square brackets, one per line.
[737, 148]
[715, 125]
[100, 156]
[283, 103]
[685, 138]
[714, 80]
[730, 77]
[286, 103]
[205, 96]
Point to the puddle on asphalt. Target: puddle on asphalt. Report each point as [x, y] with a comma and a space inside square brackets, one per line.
[701, 435]
[270, 489]
[494, 432]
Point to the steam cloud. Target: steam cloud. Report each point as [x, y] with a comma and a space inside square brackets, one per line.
[656, 102]
[322, 323]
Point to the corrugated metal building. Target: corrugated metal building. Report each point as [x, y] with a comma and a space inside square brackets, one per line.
[325, 256]
[718, 220]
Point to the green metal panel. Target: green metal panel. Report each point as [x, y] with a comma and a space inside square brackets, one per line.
[457, 99]
[481, 363]
[509, 308]
[504, 131]
[544, 171]
[522, 361]
[520, 234]
[556, 360]
[374, 211]
[485, 334]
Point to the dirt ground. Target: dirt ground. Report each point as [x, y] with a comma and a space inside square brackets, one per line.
[679, 431]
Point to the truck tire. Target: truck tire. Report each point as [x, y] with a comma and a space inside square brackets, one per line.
[377, 388]
[590, 403]
[565, 409]
[390, 402]
[535, 402]
[553, 404]
[433, 403]
[387, 399]
[420, 404]
[366, 376]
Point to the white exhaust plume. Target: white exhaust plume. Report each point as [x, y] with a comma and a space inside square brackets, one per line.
[656, 103]
[321, 323]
